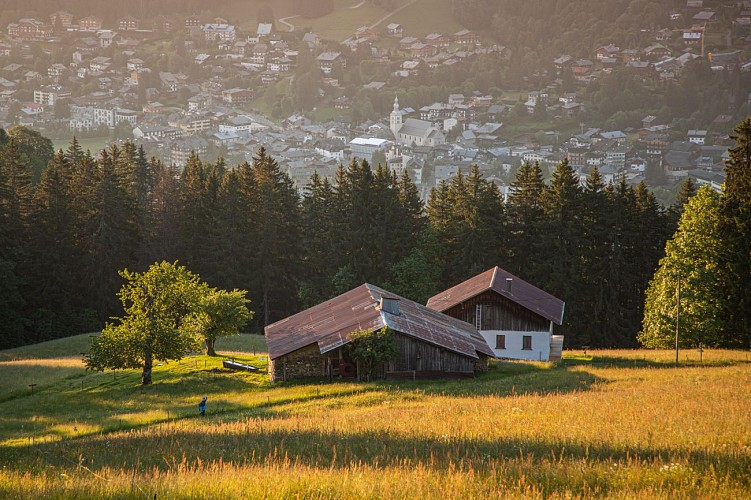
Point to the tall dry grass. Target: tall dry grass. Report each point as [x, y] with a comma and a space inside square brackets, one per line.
[616, 424]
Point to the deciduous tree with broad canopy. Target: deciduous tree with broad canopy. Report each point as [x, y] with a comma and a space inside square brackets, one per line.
[221, 313]
[693, 258]
[168, 312]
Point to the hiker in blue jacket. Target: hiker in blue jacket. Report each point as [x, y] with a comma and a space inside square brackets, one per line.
[202, 406]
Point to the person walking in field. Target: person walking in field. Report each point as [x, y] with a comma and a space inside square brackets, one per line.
[202, 406]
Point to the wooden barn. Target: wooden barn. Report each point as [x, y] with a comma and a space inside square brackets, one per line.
[514, 317]
[312, 343]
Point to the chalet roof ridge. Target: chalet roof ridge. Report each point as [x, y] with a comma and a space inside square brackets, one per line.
[329, 324]
[520, 291]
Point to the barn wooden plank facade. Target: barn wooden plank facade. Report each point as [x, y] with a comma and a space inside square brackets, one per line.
[313, 343]
[513, 316]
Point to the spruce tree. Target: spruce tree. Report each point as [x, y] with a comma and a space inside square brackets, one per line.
[275, 226]
[559, 264]
[525, 216]
[736, 225]
[318, 221]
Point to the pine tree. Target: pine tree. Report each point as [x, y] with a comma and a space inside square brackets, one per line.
[16, 191]
[526, 217]
[318, 221]
[686, 190]
[559, 264]
[12, 320]
[355, 225]
[194, 218]
[51, 260]
[110, 239]
[736, 222]
[164, 214]
[594, 256]
[275, 226]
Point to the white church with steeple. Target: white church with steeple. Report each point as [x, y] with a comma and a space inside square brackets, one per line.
[413, 132]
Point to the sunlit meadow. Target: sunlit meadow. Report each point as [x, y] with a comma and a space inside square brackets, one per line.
[615, 423]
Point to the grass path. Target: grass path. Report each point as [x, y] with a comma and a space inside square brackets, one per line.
[290, 26]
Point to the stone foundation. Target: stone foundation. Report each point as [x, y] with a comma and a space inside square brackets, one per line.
[305, 362]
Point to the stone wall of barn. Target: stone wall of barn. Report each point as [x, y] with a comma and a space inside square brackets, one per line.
[305, 362]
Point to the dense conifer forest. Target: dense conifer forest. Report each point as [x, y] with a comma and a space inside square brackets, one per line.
[66, 236]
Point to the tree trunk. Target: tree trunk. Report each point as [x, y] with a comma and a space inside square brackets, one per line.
[265, 307]
[147, 364]
[210, 347]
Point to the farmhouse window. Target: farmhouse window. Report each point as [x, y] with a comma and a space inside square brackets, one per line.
[527, 343]
[500, 341]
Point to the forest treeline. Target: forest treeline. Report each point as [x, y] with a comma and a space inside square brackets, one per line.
[66, 236]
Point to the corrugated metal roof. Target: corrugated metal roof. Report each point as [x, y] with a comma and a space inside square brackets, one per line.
[329, 324]
[523, 293]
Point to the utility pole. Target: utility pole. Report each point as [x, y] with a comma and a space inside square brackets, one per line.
[677, 314]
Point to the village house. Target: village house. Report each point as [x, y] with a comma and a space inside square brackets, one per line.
[65, 17]
[437, 39]
[239, 125]
[56, 70]
[313, 343]
[29, 29]
[100, 63]
[466, 37]
[219, 32]
[513, 316]
[582, 68]
[106, 37]
[237, 96]
[90, 23]
[697, 136]
[363, 147]
[656, 52]
[693, 36]
[395, 30]
[607, 51]
[311, 40]
[135, 64]
[327, 61]
[182, 149]
[128, 23]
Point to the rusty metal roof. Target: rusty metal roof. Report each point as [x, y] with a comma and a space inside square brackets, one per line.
[523, 293]
[329, 324]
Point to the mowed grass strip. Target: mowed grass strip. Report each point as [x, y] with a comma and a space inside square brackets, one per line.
[611, 423]
[424, 17]
[342, 22]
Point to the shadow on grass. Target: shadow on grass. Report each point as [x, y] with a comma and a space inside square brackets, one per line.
[642, 362]
[250, 442]
[506, 378]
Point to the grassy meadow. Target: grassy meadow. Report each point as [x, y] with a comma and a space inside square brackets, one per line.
[606, 423]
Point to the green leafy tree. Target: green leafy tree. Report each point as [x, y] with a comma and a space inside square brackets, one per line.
[693, 261]
[220, 313]
[370, 348]
[158, 305]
